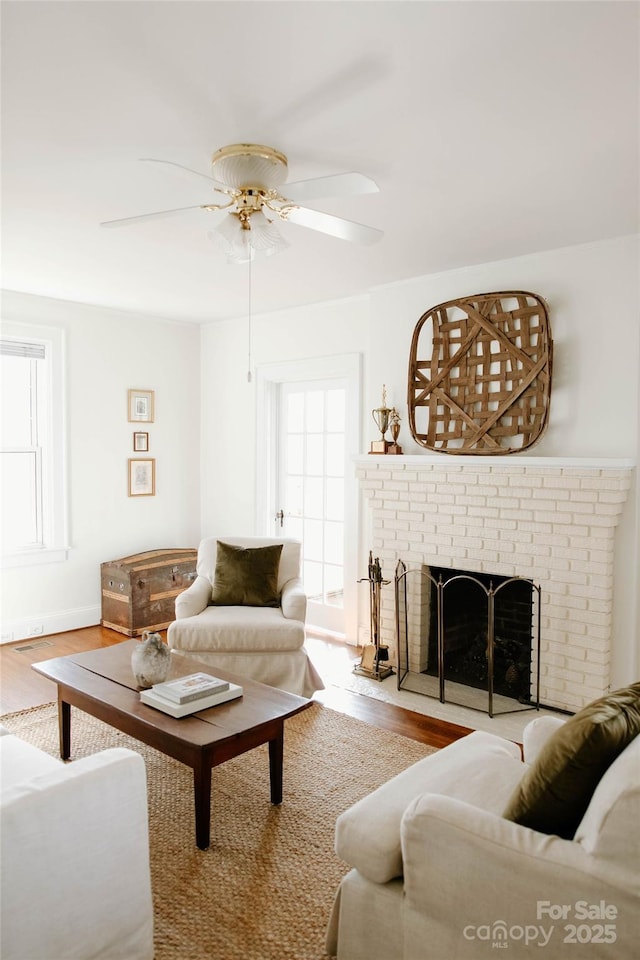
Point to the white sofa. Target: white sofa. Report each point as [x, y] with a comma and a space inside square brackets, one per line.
[75, 882]
[438, 873]
[263, 643]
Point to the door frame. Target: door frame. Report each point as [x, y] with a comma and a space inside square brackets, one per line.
[269, 376]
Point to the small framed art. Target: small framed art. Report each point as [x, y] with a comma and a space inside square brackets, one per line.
[142, 477]
[141, 442]
[141, 403]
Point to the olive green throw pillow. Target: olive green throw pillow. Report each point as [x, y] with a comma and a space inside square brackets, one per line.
[246, 576]
[556, 790]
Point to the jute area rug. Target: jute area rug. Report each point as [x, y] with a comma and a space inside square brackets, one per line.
[264, 889]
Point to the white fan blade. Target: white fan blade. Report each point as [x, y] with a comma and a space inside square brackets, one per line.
[339, 185]
[150, 216]
[215, 183]
[334, 226]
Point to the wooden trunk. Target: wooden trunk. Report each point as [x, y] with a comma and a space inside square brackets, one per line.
[139, 592]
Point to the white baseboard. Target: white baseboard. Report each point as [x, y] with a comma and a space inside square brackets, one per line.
[46, 624]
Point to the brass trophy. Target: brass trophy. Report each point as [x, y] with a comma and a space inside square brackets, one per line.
[394, 424]
[384, 418]
[381, 416]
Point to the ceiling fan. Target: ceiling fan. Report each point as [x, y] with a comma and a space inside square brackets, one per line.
[251, 179]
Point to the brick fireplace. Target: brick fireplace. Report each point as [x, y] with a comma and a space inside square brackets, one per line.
[549, 520]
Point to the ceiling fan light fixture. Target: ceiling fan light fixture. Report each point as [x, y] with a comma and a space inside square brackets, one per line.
[265, 238]
[243, 239]
[249, 165]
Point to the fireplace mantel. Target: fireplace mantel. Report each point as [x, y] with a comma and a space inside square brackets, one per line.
[511, 461]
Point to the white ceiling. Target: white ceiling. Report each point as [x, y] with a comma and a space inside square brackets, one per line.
[493, 129]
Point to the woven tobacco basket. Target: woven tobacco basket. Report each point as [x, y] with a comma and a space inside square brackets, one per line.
[486, 386]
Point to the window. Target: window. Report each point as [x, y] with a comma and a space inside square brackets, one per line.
[32, 445]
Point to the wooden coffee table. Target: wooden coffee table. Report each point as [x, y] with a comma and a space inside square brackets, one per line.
[101, 683]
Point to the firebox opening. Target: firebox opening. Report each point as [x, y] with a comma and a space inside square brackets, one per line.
[468, 638]
[466, 631]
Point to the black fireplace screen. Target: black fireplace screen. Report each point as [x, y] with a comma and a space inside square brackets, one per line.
[468, 638]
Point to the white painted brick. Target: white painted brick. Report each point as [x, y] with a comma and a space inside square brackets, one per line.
[476, 500]
[439, 498]
[556, 540]
[602, 657]
[576, 532]
[610, 482]
[458, 554]
[490, 492]
[593, 670]
[554, 494]
[371, 484]
[580, 495]
[535, 526]
[596, 594]
[484, 512]
[554, 589]
[442, 541]
[559, 517]
[600, 557]
[603, 518]
[524, 481]
[612, 496]
[412, 556]
[593, 618]
[473, 523]
[560, 482]
[596, 581]
[590, 644]
[415, 536]
[400, 525]
[583, 509]
[603, 569]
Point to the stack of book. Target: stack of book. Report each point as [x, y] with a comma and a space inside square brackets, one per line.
[197, 691]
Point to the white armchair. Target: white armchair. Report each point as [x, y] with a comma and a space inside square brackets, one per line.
[76, 882]
[263, 643]
[438, 872]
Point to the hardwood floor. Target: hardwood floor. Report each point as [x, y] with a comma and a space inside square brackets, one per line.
[22, 688]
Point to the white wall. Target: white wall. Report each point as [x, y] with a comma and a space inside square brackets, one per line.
[229, 400]
[107, 353]
[593, 300]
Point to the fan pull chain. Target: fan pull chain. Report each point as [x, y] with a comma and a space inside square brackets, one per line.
[249, 333]
[249, 337]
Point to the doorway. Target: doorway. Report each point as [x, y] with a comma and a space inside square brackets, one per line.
[308, 423]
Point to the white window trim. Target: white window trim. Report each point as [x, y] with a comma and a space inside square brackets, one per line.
[56, 547]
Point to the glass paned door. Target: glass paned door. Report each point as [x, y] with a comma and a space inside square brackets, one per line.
[311, 491]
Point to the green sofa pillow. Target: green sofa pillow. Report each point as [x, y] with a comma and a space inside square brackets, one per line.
[556, 790]
[246, 576]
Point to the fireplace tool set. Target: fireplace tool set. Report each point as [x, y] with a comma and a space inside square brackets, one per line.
[375, 656]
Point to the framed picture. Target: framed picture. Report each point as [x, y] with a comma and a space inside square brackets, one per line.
[141, 442]
[142, 477]
[141, 406]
